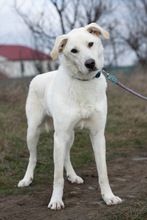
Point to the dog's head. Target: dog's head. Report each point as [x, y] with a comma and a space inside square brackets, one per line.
[82, 50]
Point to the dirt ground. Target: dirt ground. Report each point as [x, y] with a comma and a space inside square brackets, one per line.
[127, 168]
[128, 178]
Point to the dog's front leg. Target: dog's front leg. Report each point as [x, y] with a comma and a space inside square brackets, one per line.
[60, 144]
[98, 143]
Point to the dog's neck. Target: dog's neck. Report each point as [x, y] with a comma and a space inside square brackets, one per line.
[96, 76]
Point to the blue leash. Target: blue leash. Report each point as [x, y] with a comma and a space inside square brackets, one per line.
[113, 79]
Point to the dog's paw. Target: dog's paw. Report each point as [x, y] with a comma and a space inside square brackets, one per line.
[75, 179]
[25, 182]
[56, 204]
[112, 199]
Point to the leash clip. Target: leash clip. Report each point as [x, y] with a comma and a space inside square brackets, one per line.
[112, 78]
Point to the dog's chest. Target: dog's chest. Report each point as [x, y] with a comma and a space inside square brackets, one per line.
[84, 99]
[85, 110]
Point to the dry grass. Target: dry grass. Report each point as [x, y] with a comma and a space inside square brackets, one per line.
[126, 132]
[126, 125]
[127, 118]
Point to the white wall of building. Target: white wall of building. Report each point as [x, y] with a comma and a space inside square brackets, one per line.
[14, 68]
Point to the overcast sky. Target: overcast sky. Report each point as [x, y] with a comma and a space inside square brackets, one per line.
[9, 23]
[12, 27]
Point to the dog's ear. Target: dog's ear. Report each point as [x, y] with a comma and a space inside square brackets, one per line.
[95, 29]
[58, 46]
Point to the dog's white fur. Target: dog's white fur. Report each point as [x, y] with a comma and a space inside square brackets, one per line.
[66, 99]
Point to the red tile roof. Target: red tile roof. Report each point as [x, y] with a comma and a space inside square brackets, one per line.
[17, 52]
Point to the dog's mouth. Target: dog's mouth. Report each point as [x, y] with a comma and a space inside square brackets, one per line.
[92, 69]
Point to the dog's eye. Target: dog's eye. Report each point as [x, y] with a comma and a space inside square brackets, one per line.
[90, 44]
[74, 51]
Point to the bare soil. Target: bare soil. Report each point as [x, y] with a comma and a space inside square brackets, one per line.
[128, 178]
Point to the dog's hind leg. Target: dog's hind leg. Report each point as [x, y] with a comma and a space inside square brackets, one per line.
[71, 175]
[32, 140]
[35, 119]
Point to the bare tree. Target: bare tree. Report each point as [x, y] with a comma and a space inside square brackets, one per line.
[76, 13]
[135, 35]
[62, 16]
[41, 36]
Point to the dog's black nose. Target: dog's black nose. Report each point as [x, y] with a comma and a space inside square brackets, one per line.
[90, 64]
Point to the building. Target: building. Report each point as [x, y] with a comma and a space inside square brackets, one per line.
[22, 61]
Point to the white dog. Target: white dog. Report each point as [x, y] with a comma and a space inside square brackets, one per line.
[74, 96]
